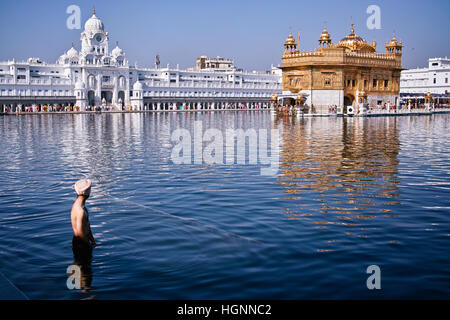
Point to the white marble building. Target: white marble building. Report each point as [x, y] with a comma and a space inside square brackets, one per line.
[94, 76]
[416, 83]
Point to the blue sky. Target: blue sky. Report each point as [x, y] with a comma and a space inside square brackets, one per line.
[249, 31]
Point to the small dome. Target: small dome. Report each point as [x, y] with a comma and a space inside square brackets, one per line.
[94, 24]
[117, 51]
[290, 41]
[325, 36]
[72, 53]
[137, 86]
[394, 39]
[394, 43]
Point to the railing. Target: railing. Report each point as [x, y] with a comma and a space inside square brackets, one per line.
[32, 95]
[302, 54]
[160, 84]
[7, 81]
[384, 56]
[206, 95]
[51, 81]
[108, 85]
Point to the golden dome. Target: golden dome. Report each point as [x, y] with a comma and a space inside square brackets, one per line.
[393, 43]
[325, 36]
[290, 41]
[353, 42]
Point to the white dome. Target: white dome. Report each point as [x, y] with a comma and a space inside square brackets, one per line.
[94, 24]
[117, 52]
[72, 53]
[80, 85]
[137, 86]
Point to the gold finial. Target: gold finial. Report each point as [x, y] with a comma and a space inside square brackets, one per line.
[72, 44]
[298, 40]
[352, 30]
[93, 11]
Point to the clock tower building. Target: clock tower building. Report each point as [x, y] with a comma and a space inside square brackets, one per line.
[94, 41]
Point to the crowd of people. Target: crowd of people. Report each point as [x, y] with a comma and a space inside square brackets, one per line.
[285, 109]
[334, 109]
[51, 108]
[36, 108]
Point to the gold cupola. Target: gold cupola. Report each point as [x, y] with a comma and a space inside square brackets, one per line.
[355, 43]
[374, 44]
[290, 44]
[394, 46]
[325, 39]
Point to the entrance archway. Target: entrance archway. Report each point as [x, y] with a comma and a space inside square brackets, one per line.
[91, 98]
[288, 101]
[107, 95]
[121, 98]
[348, 100]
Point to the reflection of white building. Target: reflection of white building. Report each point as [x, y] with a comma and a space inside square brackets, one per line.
[415, 83]
[94, 76]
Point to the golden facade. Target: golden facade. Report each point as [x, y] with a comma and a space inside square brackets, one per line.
[350, 72]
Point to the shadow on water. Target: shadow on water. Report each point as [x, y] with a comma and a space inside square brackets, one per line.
[82, 254]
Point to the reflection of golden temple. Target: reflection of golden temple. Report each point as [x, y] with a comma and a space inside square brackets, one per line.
[336, 75]
[273, 100]
[428, 98]
[362, 97]
[337, 171]
[300, 99]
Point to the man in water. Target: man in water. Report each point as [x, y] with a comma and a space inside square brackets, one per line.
[83, 240]
[82, 234]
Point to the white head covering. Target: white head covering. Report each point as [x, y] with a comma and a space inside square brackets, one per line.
[83, 187]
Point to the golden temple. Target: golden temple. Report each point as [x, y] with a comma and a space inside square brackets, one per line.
[349, 73]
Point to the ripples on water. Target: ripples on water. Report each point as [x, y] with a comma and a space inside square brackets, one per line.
[349, 193]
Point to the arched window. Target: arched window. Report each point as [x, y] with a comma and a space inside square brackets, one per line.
[91, 80]
[122, 81]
